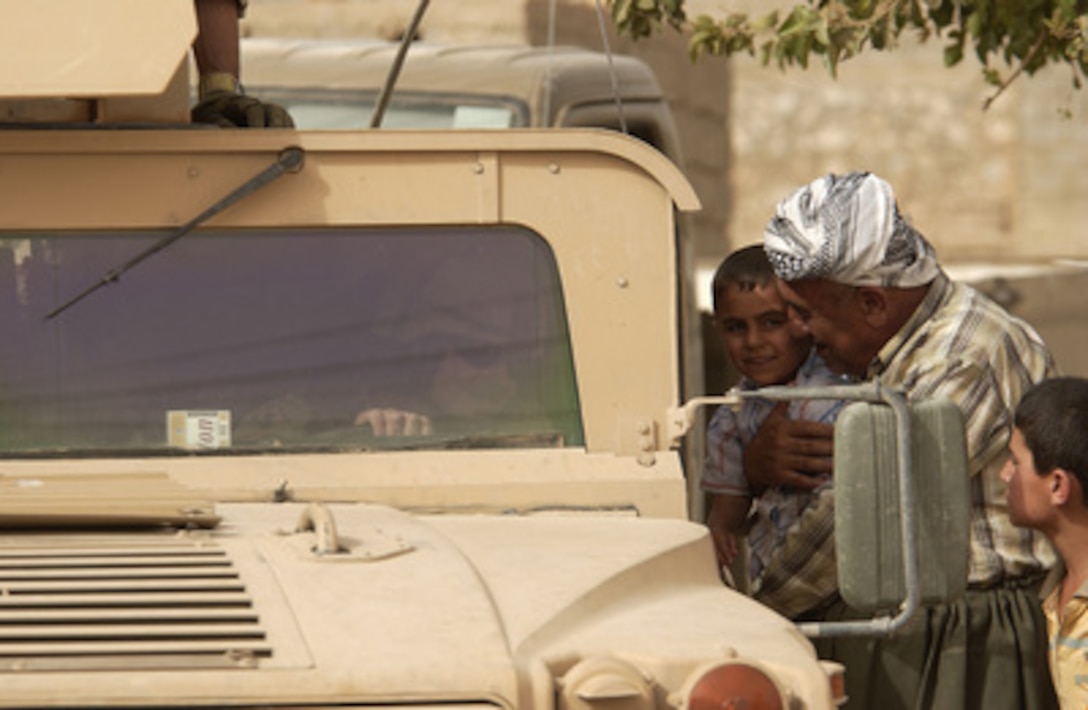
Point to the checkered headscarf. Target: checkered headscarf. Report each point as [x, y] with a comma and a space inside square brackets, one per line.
[847, 229]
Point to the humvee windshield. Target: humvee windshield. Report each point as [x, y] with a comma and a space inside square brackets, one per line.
[230, 342]
[339, 110]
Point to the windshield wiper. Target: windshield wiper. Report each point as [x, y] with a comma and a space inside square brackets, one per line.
[288, 161]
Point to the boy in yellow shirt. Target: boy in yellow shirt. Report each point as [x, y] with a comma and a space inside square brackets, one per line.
[1047, 479]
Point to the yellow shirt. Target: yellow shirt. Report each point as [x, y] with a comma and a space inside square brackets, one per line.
[1067, 630]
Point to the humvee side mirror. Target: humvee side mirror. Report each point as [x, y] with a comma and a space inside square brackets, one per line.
[901, 509]
[901, 500]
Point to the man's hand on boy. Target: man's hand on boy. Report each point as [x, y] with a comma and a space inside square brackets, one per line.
[789, 453]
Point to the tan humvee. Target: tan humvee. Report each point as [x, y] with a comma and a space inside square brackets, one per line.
[202, 328]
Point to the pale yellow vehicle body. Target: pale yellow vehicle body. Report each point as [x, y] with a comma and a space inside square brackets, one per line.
[526, 577]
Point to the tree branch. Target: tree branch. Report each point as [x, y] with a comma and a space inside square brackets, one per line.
[1019, 69]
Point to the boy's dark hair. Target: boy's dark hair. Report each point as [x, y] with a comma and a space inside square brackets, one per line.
[746, 268]
[1053, 419]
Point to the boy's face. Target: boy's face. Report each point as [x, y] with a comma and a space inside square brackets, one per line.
[1028, 494]
[756, 330]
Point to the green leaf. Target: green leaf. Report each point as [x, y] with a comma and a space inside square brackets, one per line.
[974, 24]
[833, 55]
[992, 76]
[941, 12]
[821, 34]
[953, 55]
[765, 22]
[765, 52]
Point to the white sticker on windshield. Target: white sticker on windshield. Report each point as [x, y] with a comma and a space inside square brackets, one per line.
[198, 429]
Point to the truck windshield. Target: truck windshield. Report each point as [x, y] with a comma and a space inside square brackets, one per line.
[286, 340]
[338, 110]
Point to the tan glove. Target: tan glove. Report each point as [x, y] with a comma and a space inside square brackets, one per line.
[223, 103]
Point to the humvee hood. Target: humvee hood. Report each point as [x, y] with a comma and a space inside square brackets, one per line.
[411, 606]
[293, 601]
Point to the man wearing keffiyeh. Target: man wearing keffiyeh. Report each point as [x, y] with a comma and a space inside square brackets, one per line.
[868, 288]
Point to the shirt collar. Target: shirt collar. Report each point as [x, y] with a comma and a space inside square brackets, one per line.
[804, 372]
[1054, 579]
[939, 289]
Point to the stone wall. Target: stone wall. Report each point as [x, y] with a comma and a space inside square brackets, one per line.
[952, 166]
[982, 185]
[1000, 185]
[461, 21]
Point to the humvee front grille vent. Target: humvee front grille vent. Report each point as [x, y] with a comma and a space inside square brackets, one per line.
[123, 600]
